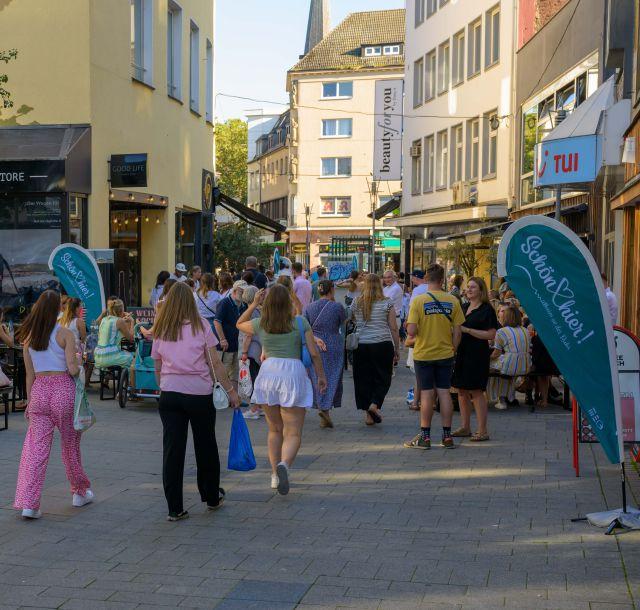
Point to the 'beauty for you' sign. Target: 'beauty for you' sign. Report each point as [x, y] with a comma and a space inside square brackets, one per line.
[558, 283]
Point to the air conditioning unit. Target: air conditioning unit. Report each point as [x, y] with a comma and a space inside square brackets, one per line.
[460, 191]
[415, 151]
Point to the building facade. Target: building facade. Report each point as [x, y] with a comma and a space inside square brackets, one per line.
[122, 109]
[332, 100]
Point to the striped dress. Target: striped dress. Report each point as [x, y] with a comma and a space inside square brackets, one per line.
[514, 361]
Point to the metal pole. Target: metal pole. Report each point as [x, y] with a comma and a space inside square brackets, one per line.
[624, 489]
[558, 204]
[373, 192]
[307, 213]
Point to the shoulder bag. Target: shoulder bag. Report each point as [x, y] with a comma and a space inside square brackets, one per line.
[319, 315]
[305, 355]
[220, 396]
[205, 304]
[352, 340]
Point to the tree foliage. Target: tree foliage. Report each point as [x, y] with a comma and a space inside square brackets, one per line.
[5, 96]
[463, 256]
[234, 242]
[231, 158]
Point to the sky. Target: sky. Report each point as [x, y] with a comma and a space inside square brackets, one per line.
[257, 41]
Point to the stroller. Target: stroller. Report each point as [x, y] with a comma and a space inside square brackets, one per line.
[144, 384]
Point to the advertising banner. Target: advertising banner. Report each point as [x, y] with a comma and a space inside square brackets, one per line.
[78, 272]
[567, 161]
[558, 283]
[387, 148]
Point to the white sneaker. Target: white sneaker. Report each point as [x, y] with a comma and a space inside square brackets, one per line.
[31, 513]
[501, 405]
[274, 481]
[282, 472]
[79, 500]
[249, 414]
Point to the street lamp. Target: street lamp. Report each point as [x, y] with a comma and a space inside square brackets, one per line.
[373, 191]
[307, 216]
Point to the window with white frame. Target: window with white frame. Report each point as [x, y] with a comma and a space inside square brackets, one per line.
[429, 159]
[416, 167]
[431, 75]
[457, 153]
[444, 66]
[419, 12]
[336, 167]
[432, 7]
[442, 159]
[492, 37]
[335, 206]
[209, 82]
[194, 68]
[474, 48]
[490, 144]
[391, 49]
[458, 58]
[337, 128]
[142, 40]
[473, 149]
[372, 51]
[174, 50]
[418, 83]
[337, 89]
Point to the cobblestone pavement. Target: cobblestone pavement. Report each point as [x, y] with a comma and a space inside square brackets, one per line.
[367, 524]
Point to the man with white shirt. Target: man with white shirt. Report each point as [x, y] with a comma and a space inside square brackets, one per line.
[181, 273]
[393, 291]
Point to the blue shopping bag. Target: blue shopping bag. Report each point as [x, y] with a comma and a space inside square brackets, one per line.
[240, 450]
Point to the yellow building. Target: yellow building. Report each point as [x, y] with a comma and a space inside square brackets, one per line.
[110, 138]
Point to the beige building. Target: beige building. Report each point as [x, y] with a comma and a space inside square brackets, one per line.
[332, 95]
[105, 94]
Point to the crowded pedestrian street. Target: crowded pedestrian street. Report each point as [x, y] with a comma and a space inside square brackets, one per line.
[368, 523]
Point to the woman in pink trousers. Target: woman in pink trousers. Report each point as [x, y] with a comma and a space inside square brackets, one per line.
[51, 364]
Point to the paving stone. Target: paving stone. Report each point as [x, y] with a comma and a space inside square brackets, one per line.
[257, 590]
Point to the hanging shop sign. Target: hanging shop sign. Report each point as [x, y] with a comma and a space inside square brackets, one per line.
[387, 148]
[567, 161]
[128, 170]
[39, 176]
[207, 190]
[559, 285]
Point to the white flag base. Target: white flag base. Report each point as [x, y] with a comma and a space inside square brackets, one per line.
[616, 518]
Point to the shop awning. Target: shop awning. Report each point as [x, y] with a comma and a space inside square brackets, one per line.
[450, 215]
[250, 216]
[386, 208]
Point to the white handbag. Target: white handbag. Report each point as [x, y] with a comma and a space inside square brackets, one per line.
[220, 396]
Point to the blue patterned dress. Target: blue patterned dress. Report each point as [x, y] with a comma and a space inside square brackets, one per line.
[326, 317]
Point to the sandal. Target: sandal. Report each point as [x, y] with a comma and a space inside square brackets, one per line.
[478, 438]
[461, 432]
[374, 416]
[325, 419]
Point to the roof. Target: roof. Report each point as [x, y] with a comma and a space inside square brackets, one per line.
[279, 130]
[342, 48]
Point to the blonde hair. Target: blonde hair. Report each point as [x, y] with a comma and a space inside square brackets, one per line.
[287, 282]
[178, 309]
[70, 312]
[207, 283]
[277, 311]
[115, 307]
[482, 285]
[371, 293]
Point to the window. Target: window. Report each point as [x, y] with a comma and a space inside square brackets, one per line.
[209, 83]
[492, 37]
[430, 76]
[458, 58]
[335, 206]
[489, 145]
[174, 50]
[473, 149]
[141, 40]
[341, 88]
[416, 167]
[392, 49]
[418, 83]
[337, 128]
[336, 166]
[444, 67]
[372, 51]
[474, 47]
[194, 88]
[419, 14]
[457, 153]
[432, 7]
[442, 160]
[429, 158]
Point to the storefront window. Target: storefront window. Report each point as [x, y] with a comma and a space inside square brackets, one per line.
[187, 246]
[77, 206]
[30, 228]
[125, 234]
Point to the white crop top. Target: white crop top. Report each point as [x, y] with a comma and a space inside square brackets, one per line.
[51, 359]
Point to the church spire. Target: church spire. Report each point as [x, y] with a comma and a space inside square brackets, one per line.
[319, 23]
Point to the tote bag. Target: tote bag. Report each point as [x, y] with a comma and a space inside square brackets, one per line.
[241, 455]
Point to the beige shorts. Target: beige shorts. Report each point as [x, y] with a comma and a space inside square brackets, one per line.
[230, 361]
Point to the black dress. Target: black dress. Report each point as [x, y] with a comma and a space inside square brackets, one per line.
[471, 368]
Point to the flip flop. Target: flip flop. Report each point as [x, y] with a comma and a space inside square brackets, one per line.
[478, 438]
[374, 416]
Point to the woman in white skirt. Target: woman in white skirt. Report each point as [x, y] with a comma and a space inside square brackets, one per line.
[282, 387]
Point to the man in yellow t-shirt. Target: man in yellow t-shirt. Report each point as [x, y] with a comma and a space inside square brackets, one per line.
[433, 326]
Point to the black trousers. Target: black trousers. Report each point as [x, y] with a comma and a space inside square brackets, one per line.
[372, 372]
[176, 412]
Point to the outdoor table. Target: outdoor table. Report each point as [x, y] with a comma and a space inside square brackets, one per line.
[16, 370]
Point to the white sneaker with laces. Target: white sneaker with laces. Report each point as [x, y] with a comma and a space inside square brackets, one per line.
[79, 500]
[501, 405]
[274, 481]
[250, 414]
[31, 513]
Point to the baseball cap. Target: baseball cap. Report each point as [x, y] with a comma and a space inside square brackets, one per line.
[181, 267]
[419, 273]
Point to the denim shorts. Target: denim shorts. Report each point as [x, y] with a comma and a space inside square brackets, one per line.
[432, 374]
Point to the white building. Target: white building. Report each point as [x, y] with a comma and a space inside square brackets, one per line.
[457, 143]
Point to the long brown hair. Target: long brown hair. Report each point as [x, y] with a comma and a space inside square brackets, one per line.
[70, 311]
[178, 309]
[482, 285]
[371, 293]
[207, 284]
[39, 324]
[225, 281]
[277, 311]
